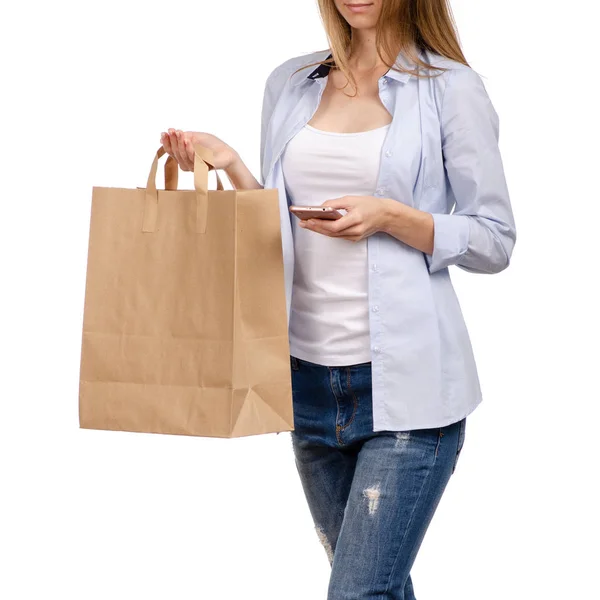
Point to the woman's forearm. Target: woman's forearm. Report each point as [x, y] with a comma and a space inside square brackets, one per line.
[409, 225]
[240, 176]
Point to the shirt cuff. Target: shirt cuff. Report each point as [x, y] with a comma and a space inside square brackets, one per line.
[450, 240]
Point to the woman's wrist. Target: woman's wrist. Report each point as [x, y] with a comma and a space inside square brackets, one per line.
[240, 176]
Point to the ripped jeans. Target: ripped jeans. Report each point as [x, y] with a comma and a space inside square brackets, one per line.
[371, 494]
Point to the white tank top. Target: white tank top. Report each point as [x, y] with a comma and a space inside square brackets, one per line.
[329, 318]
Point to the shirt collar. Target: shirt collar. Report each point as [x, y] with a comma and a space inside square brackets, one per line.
[323, 70]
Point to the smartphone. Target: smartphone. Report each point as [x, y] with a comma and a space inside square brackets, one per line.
[316, 212]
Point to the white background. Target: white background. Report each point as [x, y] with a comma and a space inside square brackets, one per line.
[87, 87]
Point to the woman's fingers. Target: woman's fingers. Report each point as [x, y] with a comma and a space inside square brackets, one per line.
[166, 143]
[180, 145]
[190, 152]
[175, 145]
[182, 157]
[183, 151]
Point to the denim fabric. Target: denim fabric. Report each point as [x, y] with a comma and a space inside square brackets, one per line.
[371, 494]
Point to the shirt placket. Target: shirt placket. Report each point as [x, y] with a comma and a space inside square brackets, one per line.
[375, 268]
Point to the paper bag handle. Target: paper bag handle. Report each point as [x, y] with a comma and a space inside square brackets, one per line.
[171, 174]
[203, 159]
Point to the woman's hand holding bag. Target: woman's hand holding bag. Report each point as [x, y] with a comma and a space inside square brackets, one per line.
[180, 145]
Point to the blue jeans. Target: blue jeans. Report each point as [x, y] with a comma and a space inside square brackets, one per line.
[371, 494]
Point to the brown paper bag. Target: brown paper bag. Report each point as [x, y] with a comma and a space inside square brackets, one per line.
[185, 326]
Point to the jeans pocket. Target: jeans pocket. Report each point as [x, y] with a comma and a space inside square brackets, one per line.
[461, 440]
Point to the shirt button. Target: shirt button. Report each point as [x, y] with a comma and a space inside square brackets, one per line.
[375, 308]
[374, 267]
[388, 153]
[376, 349]
[379, 191]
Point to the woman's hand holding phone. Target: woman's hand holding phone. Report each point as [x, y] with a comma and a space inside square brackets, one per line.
[364, 216]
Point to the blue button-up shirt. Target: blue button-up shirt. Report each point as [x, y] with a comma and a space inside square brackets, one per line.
[440, 153]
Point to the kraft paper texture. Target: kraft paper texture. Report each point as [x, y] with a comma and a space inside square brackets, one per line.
[185, 328]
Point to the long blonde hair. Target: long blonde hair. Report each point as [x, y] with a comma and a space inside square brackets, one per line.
[404, 26]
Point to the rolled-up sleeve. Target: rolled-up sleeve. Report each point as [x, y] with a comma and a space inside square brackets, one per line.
[479, 235]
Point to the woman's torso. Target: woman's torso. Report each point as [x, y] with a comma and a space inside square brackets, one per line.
[329, 315]
[335, 154]
[424, 372]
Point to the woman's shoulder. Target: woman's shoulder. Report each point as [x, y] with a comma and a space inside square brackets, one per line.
[454, 70]
[460, 93]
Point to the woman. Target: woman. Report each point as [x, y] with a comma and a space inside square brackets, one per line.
[394, 128]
